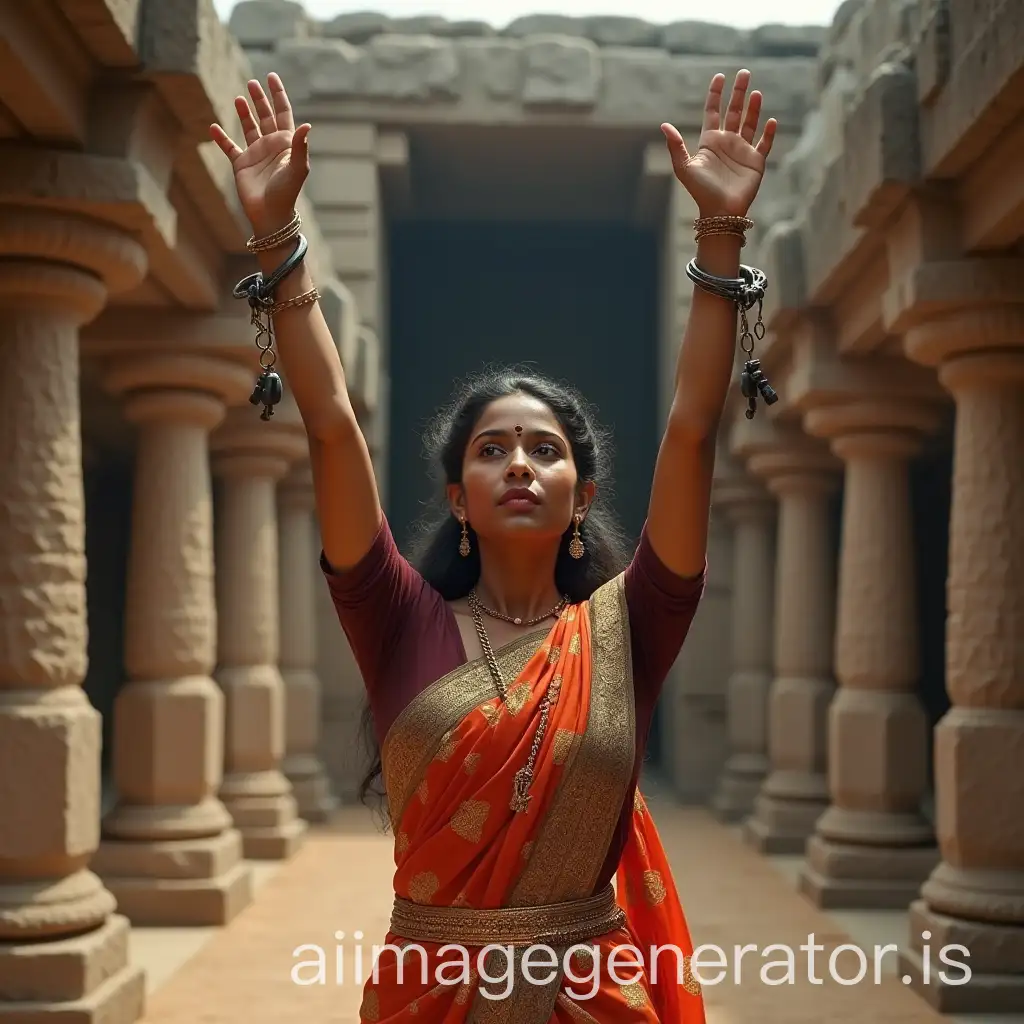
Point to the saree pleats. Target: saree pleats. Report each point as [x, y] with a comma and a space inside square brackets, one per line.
[468, 867]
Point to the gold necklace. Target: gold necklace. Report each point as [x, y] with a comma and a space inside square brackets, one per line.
[524, 777]
[474, 599]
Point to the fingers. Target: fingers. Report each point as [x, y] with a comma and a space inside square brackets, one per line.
[300, 148]
[749, 125]
[713, 104]
[764, 145]
[282, 105]
[264, 111]
[250, 129]
[734, 112]
[228, 147]
[676, 147]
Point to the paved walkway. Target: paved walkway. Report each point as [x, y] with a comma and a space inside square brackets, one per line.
[340, 882]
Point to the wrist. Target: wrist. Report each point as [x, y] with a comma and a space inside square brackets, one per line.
[266, 225]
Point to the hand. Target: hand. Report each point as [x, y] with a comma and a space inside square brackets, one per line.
[723, 176]
[270, 171]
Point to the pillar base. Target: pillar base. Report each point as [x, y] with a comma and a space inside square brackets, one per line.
[264, 811]
[183, 882]
[736, 793]
[86, 979]
[315, 799]
[995, 986]
[782, 826]
[843, 876]
[277, 843]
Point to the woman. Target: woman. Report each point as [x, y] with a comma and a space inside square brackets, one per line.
[512, 676]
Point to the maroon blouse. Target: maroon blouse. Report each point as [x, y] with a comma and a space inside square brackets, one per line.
[404, 636]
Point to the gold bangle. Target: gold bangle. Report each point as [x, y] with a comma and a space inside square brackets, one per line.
[706, 227]
[305, 299]
[278, 238]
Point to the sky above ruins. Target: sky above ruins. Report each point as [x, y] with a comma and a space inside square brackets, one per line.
[739, 13]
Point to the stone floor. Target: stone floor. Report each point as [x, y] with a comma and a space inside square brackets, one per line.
[339, 882]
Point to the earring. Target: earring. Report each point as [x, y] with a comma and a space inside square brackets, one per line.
[464, 542]
[576, 544]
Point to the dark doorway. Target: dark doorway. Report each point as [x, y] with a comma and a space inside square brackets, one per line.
[578, 302]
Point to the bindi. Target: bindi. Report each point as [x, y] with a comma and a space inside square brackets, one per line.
[518, 429]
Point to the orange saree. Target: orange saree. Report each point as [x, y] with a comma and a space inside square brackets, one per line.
[477, 883]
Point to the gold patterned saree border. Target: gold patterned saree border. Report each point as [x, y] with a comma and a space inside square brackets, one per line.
[573, 841]
[419, 729]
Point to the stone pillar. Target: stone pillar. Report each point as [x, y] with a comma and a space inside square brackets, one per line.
[63, 952]
[752, 512]
[171, 855]
[873, 847]
[250, 457]
[298, 572]
[795, 793]
[975, 896]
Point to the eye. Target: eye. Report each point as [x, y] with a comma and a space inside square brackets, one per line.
[549, 450]
[491, 449]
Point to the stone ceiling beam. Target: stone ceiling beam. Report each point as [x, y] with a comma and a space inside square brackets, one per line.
[45, 73]
[108, 28]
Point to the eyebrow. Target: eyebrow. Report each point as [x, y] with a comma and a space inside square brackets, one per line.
[498, 432]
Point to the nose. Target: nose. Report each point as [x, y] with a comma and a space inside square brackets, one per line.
[519, 467]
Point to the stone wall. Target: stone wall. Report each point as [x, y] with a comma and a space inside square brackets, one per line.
[612, 70]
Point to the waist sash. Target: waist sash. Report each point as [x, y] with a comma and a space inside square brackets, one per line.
[555, 924]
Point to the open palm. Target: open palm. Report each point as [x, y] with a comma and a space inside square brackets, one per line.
[270, 171]
[725, 173]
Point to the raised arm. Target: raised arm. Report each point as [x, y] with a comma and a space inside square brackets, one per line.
[723, 177]
[269, 174]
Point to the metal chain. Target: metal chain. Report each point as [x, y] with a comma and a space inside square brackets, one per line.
[515, 620]
[524, 777]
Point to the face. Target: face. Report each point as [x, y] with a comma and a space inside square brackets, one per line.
[518, 474]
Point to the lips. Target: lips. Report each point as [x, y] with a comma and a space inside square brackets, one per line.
[519, 495]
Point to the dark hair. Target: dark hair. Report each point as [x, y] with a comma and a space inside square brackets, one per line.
[436, 549]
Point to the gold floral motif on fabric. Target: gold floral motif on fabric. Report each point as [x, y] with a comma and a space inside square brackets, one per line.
[562, 745]
[654, 888]
[423, 886]
[468, 821]
[634, 994]
[369, 1010]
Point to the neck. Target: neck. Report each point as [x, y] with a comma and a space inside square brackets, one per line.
[517, 582]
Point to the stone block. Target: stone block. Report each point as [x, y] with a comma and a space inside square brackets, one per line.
[878, 744]
[53, 744]
[702, 37]
[254, 715]
[787, 40]
[354, 255]
[82, 980]
[260, 25]
[343, 181]
[332, 139]
[168, 740]
[169, 903]
[882, 153]
[195, 61]
[411, 68]
[356, 26]
[783, 264]
[560, 72]
[621, 30]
